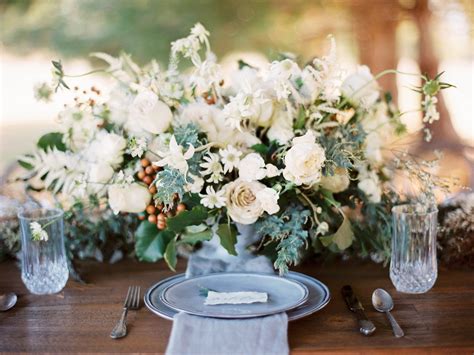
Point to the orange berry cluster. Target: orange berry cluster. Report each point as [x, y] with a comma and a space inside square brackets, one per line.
[155, 212]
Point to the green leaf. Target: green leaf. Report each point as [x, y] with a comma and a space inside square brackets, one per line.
[195, 234]
[329, 197]
[170, 255]
[25, 165]
[343, 236]
[151, 243]
[301, 119]
[52, 140]
[228, 236]
[261, 148]
[187, 218]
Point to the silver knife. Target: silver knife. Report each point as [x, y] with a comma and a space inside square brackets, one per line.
[366, 327]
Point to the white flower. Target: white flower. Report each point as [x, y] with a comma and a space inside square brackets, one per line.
[98, 176]
[360, 87]
[151, 114]
[230, 157]
[124, 179]
[268, 199]
[78, 126]
[119, 104]
[200, 32]
[107, 148]
[427, 135]
[215, 177]
[281, 129]
[369, 184]
[206, 75]
[429, 108]
[37, 232]
[194, 187]
[373, 153]
[252, 167]
[322, 229]
[137, 146]
[304, 160]
[272, 171]
[213, 199]
[175, 157]
[241, 201]
[131, 198]
[211, 165]
[337, 182]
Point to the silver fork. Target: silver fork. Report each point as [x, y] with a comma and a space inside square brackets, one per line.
[132, 301]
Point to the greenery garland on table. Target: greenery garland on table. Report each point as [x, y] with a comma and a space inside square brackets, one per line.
[295, 150]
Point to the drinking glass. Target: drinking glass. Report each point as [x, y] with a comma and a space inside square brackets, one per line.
[43, 264]
[413, 266]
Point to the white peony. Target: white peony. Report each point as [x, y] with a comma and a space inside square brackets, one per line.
[151, 114]
[252, 167]
[107, 148]
[337, 182]
[304, 160]
[268, 199]
[131, 198]
[360, 87]
[241, 201]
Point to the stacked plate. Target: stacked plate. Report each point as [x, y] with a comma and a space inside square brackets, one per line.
[296, 294]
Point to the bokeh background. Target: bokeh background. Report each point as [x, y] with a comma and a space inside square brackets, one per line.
[425, 36]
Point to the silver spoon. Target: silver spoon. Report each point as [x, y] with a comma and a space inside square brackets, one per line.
[383, 302]
[7, 301]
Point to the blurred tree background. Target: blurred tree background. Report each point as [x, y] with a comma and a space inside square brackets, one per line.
[380, 33]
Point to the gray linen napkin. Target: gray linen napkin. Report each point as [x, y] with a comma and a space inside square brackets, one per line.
[200, 335]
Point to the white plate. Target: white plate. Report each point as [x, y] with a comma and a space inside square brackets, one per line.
[318, 298]
[283, 294]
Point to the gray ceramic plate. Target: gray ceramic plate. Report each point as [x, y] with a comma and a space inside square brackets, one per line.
[318, 297]
[283, 294]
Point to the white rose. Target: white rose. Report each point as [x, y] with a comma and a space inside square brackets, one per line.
[107, 148]
[252, 167]
[152, 115]
[131, 198]
[360, 87]
[371, 188]
[241, 201]
[304, 160]
[281, 129]
[337, 182]
[268, 199]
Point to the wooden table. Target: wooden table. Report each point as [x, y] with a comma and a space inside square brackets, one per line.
[80, 318]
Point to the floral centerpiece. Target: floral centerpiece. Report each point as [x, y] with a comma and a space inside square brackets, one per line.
[294, 150]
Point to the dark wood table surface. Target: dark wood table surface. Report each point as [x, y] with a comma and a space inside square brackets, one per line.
[79, 319]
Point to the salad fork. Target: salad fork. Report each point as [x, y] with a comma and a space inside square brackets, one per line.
[132, 301]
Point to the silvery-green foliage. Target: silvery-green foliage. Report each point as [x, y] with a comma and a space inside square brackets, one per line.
[288, 231]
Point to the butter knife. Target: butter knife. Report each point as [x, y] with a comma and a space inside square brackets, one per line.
[366, 327]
